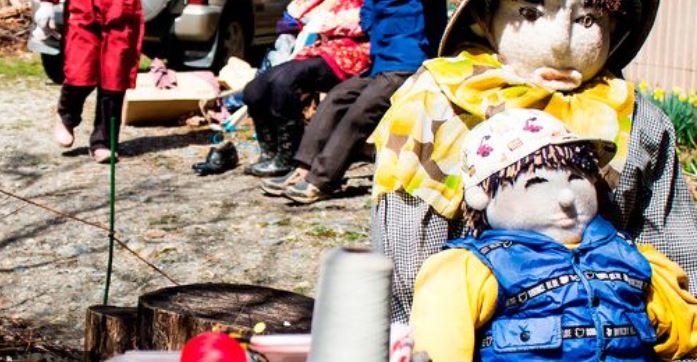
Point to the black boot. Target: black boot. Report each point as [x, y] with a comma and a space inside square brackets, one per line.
[289, 136]
[109, 105]
[71, 102]
[267, 138]
[218, 160]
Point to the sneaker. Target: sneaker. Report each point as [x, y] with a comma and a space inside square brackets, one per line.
[305, 193]
[62, 134]
[102, 155]
[277, 185]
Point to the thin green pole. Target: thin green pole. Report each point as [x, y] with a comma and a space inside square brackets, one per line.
[112, 199]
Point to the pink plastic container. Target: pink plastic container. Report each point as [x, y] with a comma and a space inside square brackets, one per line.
[283, 347]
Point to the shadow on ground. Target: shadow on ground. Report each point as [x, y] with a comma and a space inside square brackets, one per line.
[148, 144]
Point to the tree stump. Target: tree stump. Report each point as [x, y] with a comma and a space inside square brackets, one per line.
[167, 318]
[109, 331]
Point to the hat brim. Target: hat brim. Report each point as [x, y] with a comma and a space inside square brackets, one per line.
[620, 58]
[604, 150]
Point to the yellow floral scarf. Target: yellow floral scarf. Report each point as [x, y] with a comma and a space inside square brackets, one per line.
[419, 140]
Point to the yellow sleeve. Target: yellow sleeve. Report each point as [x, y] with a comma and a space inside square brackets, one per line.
[671, 307]
[454, 294]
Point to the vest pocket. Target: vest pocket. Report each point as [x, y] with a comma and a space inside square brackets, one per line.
[529, 334]
[643, 326]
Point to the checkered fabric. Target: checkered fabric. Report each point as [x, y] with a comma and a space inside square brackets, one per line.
[408, 231]
[652, 196]
[654, 202]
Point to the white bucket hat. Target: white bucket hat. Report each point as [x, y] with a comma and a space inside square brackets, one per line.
[511, 135]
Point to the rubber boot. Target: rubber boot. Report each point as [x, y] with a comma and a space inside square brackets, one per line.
[268, 144]
[71, 102]
[289, 136]
[109, 105]
[70, 105]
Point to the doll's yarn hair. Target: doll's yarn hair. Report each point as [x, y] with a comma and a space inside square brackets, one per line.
[608, 6]
[579, 158]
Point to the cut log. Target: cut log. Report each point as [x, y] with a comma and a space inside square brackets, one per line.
[109, 331]
[167, 318]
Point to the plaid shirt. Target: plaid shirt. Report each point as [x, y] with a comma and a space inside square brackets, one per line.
[652, 195]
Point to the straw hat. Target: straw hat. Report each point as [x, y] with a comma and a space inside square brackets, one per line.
[457, 31]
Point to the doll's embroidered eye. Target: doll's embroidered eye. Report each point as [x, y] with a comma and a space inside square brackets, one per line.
[575, 177]
[530, 14]
[586, 20]
[535, 180]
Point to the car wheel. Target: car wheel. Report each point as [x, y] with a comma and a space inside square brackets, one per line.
[53, 66]
[232, 43]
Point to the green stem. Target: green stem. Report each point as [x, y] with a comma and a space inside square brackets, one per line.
[112, 199]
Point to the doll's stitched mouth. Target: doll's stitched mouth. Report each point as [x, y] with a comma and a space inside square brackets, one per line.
[566, 222]
[556, 78]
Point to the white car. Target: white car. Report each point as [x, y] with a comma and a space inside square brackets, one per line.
[192, 33]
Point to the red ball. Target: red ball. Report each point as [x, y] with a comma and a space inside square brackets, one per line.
[213, 347]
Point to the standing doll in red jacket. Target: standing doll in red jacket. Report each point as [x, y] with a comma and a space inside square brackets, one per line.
[102, 49]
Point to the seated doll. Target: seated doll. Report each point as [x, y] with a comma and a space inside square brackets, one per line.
[561, 56]
[542, 276]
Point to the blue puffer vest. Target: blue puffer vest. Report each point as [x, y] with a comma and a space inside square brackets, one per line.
[554, 303]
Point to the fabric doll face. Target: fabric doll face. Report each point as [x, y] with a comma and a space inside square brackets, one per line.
[556, 203]
[556, 44]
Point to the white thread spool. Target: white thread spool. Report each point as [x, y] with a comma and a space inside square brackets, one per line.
[351, 319]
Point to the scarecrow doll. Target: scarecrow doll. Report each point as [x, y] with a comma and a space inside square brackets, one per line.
[561, 56]
[275, 97]
[541, 275]
[102, 50]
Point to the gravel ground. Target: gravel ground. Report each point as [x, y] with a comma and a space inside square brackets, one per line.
[212, 229]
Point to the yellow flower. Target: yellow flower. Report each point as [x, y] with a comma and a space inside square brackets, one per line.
[682, 98]
[643, 86]
[659, 94]
[259, 328]
[677, 90]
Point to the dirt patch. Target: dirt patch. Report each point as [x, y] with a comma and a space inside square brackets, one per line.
[21, 340]
[197, 229]
[15, 27]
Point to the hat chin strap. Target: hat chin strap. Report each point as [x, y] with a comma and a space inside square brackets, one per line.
[619, 44]
[487, 32]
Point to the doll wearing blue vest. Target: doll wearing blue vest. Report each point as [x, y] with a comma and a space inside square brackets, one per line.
[541, 276]
[584, 304]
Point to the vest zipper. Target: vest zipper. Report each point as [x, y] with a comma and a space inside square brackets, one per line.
[575, 263]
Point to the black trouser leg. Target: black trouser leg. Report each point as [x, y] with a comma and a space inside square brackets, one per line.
[71, 102]
[274, 102]
[353, 129]
[292, 80]
[109, 105]
[273, 97]
[329, 112]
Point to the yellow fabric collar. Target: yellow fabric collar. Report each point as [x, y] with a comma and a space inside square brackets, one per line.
[419, 140]
[478, 83]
